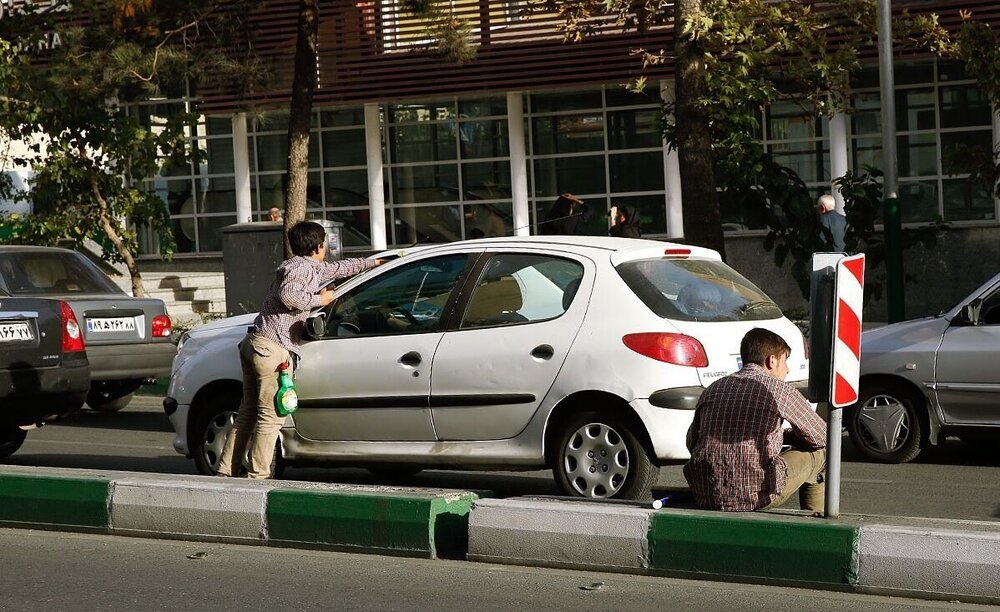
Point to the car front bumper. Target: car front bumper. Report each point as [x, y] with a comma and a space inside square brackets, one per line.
[125, 361]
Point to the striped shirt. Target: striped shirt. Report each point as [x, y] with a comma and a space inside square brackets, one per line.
[295, 292]
[736, 438]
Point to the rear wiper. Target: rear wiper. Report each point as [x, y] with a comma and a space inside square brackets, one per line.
[745, 308]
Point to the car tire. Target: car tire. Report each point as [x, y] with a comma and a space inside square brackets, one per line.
[100, 404]
[212, 426]
[619, 465]
[11, 439]
[886, 424]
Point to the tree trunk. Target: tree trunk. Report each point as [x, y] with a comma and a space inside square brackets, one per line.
[108, 224]
[702, 220]
[299, 116]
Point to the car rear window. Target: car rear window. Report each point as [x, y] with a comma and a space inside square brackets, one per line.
[52, 273]
[696, 290]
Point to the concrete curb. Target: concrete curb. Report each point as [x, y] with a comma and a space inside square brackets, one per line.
[937, 559]
[928, 558]
[408, 522]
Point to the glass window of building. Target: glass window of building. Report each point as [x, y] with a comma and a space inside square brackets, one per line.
[940, 112]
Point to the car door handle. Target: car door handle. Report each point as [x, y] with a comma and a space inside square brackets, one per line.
[411, 359]
[543, 351]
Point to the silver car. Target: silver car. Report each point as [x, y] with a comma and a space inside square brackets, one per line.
[128, 339]
[926, 379]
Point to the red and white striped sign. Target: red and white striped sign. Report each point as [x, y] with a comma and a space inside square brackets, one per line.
[848, 301]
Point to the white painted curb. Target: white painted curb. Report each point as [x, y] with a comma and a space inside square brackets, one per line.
[559, 534]
[931, 561]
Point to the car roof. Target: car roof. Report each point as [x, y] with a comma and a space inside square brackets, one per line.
[623, 249]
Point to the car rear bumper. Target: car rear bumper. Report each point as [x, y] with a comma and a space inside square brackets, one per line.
[43, 394]
[122, 361]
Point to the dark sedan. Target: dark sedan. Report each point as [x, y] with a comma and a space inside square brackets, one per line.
[128, 339]
[44, 374]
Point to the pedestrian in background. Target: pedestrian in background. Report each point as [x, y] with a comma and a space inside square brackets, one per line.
[565, 216]
[300, 284]
[625, 222]
[736, 437]
[274, 214]
[831, 221]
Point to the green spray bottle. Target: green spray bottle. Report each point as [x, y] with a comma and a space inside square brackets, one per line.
[286, 400]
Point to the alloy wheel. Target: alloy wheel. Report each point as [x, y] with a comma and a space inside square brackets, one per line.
[596, 461]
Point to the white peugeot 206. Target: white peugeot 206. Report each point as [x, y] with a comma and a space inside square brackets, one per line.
[585, 355]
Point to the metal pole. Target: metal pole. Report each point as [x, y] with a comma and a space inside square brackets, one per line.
[892, 217]
[834, 435]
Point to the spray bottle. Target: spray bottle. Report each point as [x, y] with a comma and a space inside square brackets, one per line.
[286, 400]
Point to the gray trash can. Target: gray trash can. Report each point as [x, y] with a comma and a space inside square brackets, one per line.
[250, 254]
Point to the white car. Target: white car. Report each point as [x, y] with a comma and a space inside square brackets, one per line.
[582, 354]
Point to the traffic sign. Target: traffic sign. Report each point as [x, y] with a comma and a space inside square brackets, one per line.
[848, 304]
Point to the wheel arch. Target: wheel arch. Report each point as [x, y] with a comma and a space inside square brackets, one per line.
[930, 426]
[201, 399]
[591, 400]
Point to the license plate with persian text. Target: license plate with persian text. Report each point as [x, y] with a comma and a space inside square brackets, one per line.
[115, 324]
[15, 331]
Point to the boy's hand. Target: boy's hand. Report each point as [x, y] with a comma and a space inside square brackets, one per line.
[326, 295]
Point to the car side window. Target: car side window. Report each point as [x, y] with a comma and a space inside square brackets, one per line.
[519, 288]
[409, 299]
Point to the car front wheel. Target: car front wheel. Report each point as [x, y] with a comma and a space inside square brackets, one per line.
[600, 457]
[885, 424]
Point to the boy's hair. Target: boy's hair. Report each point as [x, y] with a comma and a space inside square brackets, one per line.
[305, 237]
[758, 344]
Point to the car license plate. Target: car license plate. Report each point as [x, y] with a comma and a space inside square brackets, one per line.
[15, 331]
[117, 324]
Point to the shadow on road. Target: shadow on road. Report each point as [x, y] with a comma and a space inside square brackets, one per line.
[124, 420]
[947, 452]
[164, 464]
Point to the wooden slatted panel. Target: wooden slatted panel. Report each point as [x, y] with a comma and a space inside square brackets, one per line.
[369, 51]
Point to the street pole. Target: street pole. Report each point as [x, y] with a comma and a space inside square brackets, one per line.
[891, 217]
[834, 436]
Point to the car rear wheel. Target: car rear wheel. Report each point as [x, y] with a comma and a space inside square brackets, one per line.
[11, 439]
[600, 457]
[111, 395]
[214, 422]
[885, 424]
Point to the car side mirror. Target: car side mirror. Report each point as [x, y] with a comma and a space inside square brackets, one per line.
[316, 325]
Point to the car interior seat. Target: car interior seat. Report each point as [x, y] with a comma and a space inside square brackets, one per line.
[495, 302]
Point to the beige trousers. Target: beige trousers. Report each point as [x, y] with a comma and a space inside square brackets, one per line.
[806, 475]
[257, 419]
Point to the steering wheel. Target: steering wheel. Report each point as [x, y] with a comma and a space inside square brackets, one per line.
[412, 320]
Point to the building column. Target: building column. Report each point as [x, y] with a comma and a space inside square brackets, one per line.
[518, 163]
[376, 194]
[241, 168]
[839, 138]
[672, 175]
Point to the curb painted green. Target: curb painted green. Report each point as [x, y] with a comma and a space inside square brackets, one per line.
[54, 501]
[427, 526]
[789, 549]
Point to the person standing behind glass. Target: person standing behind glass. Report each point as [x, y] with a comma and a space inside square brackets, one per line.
[832, 221]
[566, 214]
[625, 222]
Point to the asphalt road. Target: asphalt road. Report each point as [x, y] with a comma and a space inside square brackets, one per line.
[953, 480]
[96, 572]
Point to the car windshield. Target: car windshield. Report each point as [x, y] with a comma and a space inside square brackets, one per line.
[696, 290]
[52, 273]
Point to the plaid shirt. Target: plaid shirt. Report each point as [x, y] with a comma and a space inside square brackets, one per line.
[294, 292]
[736, 438]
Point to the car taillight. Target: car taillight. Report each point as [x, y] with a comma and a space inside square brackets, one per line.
[72, 339]
[671, 348]
[161, 326]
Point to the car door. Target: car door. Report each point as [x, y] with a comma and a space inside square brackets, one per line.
[517, 322]
[967, 379]
[369, 377]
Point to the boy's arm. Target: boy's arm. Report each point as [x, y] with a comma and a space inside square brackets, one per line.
[344, 268]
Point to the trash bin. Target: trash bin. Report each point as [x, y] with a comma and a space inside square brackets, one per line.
[250, 254]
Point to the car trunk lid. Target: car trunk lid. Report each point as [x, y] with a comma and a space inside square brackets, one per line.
[30, 333]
